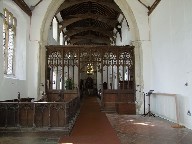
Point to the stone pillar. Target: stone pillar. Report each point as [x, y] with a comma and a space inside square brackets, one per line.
[1, 48]
[41, 74]
[138, 75]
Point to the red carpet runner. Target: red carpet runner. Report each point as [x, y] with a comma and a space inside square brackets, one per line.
[91, 127]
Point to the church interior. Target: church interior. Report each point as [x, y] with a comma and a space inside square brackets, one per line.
[95, 71]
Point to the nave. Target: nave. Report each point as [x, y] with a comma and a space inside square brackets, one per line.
[94, 126]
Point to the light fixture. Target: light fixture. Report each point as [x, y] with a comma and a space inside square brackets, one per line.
[90, 69]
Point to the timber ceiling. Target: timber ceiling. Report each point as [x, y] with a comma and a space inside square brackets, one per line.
[89, 22]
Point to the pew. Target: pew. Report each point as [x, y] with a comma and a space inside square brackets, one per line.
[121, 101]
[38, 115]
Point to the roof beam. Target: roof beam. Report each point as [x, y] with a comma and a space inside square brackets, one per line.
[153, 6]
[33, 7]
[148, 7]
[88, 41]
[91, 37]
[79, 17]
[23, 6]
[95, 27]
[89, 14]
[75, 39]
[82, 29]
[68, 4]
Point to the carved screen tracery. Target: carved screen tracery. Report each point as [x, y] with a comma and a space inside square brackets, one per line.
[111, 65]
[71, 65]
[55, 70]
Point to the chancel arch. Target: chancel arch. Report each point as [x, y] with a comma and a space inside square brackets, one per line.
[52, 9]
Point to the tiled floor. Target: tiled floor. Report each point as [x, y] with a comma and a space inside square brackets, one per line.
[148, 130]
[30, 138]
[130, 130]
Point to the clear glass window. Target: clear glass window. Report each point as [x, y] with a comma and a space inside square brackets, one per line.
[9, 35]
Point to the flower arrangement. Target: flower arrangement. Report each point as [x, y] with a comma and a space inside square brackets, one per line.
[69, 84]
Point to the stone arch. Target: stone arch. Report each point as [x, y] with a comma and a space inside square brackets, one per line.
[128, 13]
[54, 5]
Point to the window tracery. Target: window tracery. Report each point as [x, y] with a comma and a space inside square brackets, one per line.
[9, 36]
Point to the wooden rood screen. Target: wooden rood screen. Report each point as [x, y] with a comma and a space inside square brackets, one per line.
[110, 68]
[66, 63]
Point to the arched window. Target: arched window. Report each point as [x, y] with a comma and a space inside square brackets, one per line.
[9, 36]
[61, 38]
[55, 29]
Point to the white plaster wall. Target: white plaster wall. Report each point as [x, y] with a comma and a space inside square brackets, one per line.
[126, 35]
[32, 69]
[35, 47]
[171, 36]
[141, 17]
[37, 19]
[10, 86]
[51, 40]
[142, 46]
[147, 65]
[138, 20]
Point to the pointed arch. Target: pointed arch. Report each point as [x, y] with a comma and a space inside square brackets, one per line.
[53, 8]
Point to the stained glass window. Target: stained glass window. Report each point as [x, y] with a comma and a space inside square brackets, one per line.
[9, 35]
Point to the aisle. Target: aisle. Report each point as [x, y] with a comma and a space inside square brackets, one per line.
[92, 126]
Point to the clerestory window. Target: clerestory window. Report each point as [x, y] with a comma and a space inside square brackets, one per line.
[55, 29]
